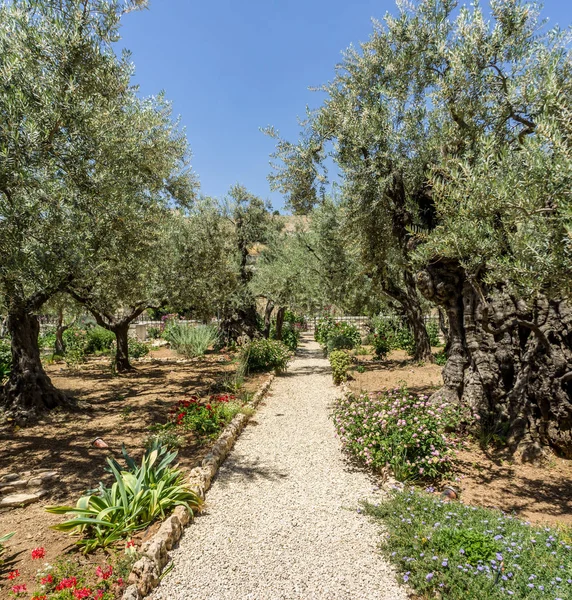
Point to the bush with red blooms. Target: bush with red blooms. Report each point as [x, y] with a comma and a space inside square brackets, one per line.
[57, 582]
[205, 416]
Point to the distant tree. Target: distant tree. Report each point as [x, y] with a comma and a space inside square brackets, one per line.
[251, 223]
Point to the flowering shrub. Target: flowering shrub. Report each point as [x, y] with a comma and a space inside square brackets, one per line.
[449, 550]
[380, 344]
[67, 580]
[205, 417]
[399, 430]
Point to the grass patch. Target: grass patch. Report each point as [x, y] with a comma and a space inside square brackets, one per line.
[458, 552]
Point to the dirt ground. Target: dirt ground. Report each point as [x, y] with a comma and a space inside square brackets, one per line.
[118, 409]
[536, 493]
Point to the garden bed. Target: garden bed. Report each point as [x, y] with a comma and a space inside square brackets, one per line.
[539, 493]
[118, 409]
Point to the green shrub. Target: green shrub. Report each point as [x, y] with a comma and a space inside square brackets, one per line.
[458, 552]
[5, 359]
[290, 335]
[322, 330]
[47, 338]
[264, 355]
[153, 333]
[433, 332]
[399, 430]
[395, 331]
[340, 362]
[137, 349]
[138, 496]
[190, 340]
[441, 358]
[75, 342]
[98, 340]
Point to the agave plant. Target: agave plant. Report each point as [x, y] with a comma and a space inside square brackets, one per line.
[137, 497]
[3, 540]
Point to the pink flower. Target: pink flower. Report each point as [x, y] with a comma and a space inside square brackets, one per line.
[105, 573]
[66, 583]
[82, 593]
[19, 589]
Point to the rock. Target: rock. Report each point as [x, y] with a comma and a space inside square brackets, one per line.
[144, 575]
[156, 550]
[41, 478]
[21, 499]
[13, 485]
[183, 514]
[169, 532]
[9, 477]
[131, 593]
[533, 453]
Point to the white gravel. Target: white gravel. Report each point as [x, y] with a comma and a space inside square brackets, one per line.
[281, 519]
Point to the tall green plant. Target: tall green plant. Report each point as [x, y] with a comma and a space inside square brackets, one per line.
[138, 496]
[191, 340]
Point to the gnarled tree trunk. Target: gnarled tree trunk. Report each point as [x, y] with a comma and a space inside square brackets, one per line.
[29, 391]
[60, 347]
[509, 359]
[121, 331]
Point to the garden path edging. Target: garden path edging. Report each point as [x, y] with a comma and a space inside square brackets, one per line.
[146, 572]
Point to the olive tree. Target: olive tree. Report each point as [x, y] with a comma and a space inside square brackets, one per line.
[451, 129]
[77, 160]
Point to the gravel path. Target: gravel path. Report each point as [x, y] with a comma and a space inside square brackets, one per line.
[281, 519]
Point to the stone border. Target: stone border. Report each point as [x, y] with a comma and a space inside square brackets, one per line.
[146, 572]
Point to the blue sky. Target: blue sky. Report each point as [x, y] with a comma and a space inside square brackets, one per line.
[232, 67]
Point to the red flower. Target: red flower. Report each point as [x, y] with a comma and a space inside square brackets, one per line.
[98, 595]
[209, 407]
[104, 573]
[38, 553]
[13, 574]
[69, 582]
[39, 597]
[19, 589]
[131, 544]
[47, 580]
[82, 593]
[120, 582]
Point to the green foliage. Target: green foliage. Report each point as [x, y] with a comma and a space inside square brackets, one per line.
[47, 338]
[153, 333]
[136, 348]
[475, 546]
[190, 340]
[336, 335]
[441, 358]
[138, 496]
[340, 362]
[459, 552]
[399, 430]
[163, 436]
[3, 540]
[381, 344]
[98, 340]
[5, 359]
[290, 335]
[395, 332]
[264, 355]
[433, 332]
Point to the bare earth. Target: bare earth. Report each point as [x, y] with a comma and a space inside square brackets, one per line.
[281, 519]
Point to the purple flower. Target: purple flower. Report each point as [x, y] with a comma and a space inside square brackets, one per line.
[429, 576]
